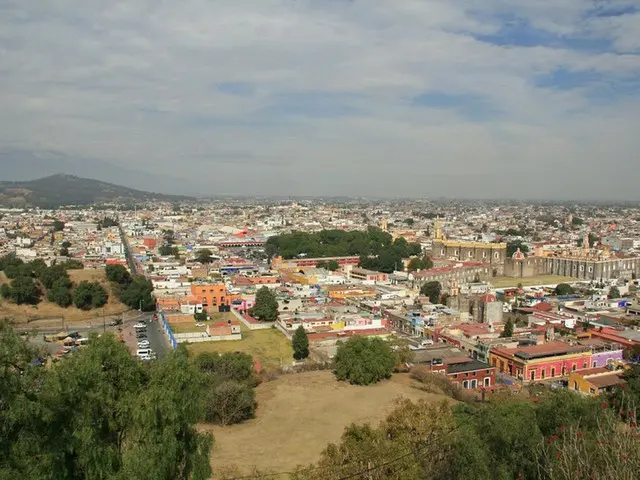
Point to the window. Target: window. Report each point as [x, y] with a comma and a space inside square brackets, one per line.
[474, 374]
[496, 255]
[455, 375]
[487, 381]
[584, 365]
[574, 367]
[543, 373]
[474, 384]
[465, 384]
[575, 385]
[595, 364]
[592, 391]
[532, 375]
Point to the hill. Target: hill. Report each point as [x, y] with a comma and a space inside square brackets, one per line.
[47, 310]
[61, 189]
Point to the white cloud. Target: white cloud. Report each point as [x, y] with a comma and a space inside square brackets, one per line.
[138, 83]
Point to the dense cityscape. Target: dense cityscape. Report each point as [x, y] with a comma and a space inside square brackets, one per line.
[494, 302]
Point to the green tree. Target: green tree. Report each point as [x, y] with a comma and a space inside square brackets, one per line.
[200, 316]
[431, 290]
[614, 292]
[410, 221]
[508, 329]
[230, 402]
[512, 247]
[237, 366]
[60, 292]
[331, 265]
[204, 256]
[167, 250]
[100, 414]
[49, 275]
[300, 343]
[118, 274]
[563, 289]
[64, 252]
[24, 291]
[58, 226]
[363, 361]
[266, 307]
[139, 294]
[89, 295]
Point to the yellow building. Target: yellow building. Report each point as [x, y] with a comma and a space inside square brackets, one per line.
[340, 292]
[466, 251]
[595, 381]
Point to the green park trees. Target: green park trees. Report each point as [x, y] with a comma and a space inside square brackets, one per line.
[614, 292]
[300, 344]
[377, 249]
[563, 289]
[135, 292]
[88, 295]
[363, 360]
[417, 263]
[266, 306]
[508, 329]
[229, 386]
[204, 256]
[431, 290]
[100, 414]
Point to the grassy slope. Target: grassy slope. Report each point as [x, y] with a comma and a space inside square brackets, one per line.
[46, 309]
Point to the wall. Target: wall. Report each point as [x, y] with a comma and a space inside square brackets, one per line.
[250, 325]
[600, 359]
[197, 337]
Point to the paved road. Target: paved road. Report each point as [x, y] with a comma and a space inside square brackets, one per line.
[157, 340]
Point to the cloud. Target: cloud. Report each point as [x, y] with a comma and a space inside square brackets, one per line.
[428, 97]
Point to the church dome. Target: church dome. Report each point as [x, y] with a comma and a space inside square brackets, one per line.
[518, 255]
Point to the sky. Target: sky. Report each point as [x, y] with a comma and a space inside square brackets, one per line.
[408, 98]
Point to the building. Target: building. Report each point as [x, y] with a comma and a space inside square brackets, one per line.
[595, 381]
[493, 254]
[368, 276]
[209, 295]
[339, 292]
[539, 362]
[279, 263]
[584, 263]
[471, 374]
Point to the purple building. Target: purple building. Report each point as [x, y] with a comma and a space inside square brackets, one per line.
[602, 352]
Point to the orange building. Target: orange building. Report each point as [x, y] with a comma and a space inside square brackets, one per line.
[212, 295]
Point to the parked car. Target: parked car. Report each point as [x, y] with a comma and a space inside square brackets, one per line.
[143, 344]
[139, 325]
[143, 352]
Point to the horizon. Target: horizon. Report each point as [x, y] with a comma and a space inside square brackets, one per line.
[407, 99]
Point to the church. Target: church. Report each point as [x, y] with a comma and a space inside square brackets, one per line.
[493, 254]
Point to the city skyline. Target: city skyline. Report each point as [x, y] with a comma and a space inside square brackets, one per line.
[340, 98]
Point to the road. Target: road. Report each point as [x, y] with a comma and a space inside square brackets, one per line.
[157, 340]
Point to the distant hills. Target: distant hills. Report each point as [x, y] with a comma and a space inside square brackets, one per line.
[61, 189]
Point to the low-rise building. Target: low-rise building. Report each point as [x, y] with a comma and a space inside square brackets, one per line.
[595, 381]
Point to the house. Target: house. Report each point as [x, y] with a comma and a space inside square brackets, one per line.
[538, 362]
[471, 374]
[595, 381]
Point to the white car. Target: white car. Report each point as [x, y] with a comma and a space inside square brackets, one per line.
[143, 344]
[139, 325]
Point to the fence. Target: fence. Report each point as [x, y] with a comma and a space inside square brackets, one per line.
[251, 325]
[168, 331]
[196, 337]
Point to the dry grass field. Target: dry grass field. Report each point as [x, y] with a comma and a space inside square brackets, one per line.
[299, 414]
[269, 347]
[505, 282]
[48, 310]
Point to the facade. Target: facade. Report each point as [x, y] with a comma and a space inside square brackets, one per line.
[493, 254]
[210, 295]
[368, 276]
[471, 374]
[540, 362]
[339, 292]
[583, 263]
[595, 381]
[295, 263]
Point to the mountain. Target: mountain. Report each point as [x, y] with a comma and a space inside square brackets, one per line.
[61, 189]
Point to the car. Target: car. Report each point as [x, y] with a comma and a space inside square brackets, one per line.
[143, 344]
[141, 338]
[139, 325]
[143, 352]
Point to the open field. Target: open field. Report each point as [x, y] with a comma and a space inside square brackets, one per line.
[504, 282]
[269, 347]
[299, 414]
[190, 325]
[48, 310]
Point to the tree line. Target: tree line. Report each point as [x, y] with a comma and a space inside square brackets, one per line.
[31, 281]
[377, 249]
[135, 292]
